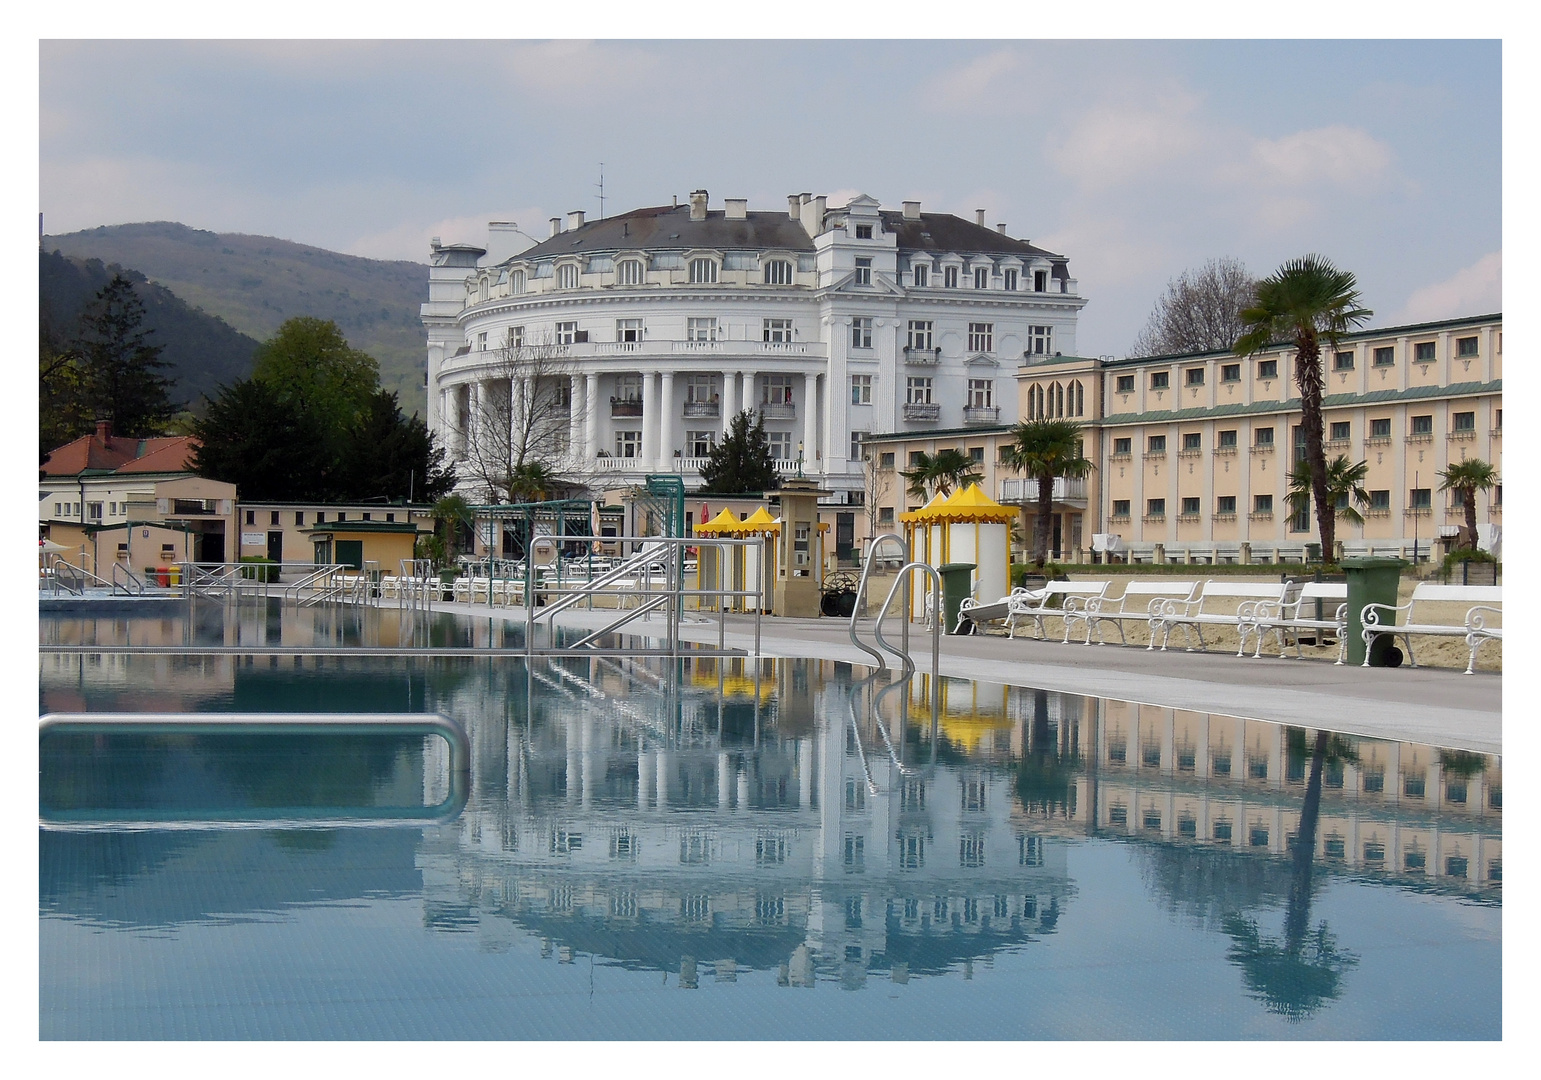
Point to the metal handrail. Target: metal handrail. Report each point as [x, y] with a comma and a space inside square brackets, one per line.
[79, 572]
[133, 586]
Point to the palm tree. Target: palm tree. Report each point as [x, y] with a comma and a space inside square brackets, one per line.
[1469, 477]
[1345, 486]
[941, 472]
[1308, 301]
[1043, 450]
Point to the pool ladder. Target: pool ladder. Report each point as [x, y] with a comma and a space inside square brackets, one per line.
[901, 588]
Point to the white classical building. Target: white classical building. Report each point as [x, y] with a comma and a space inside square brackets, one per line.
[832, 322]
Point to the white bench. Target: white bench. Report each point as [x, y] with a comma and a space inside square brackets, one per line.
[1135, 605]
[979, 614]
[1194, 615]
[1034, 606]
[1293, 617]
[1483, 601]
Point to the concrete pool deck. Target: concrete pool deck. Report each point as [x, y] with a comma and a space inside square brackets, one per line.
[1437, 706]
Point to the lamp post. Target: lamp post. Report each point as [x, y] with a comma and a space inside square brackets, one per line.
[799, 459]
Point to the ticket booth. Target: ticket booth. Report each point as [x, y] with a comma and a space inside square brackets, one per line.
[966, 527]
[799, 550]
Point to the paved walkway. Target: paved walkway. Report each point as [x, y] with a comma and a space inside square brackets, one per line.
[1436, 706]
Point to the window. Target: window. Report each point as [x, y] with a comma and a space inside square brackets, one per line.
[481, 342]
[1268, 369]
[917, 390]
[1343, 361]
[251, 517]
[1420, 498]
[515, 339]
[776, 390]
[629, 330]
[915, 456]
[1380, 429]
[919, 335]
[778, 272]
[320, 517]
[1230, 373]
[94, 511]
[780, 443]
[1380, 500]
[861, 332]
[628, 272]
[1466, 346]
[1155, 508]
[921, 275]
[701, 329]
[778, 330]
[1041, 340]
[516, 283]
[1422, 425]
[1125, 384]
[567, 276]
[700, 389]
[976, 454]
[1122, 446]
[1009, 281]
[981, 394]
[1227, 439]
[566, 333]
[981, 277]
[1192, 440]
[1423, 351]
[1120, 507]
[299, 517]
[861, 389]
[1194, 376]
[950, 277]
[699, 443]
[856, 439]
[272, 517]
[886, 460]
[981, 336]
[628, 387]
[1190, 506]
[703, 271]
[1225, 504]
[1338, 430]
[1159, 380]
[1263, 437]
[863, 272]
[628, 444]
[1262, 504]
[1156, 444]
[864, 232]
[1464, 421]
[885, 515]
[1385, 356]
[1040, 281]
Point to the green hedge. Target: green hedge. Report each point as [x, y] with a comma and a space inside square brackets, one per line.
[261, 569]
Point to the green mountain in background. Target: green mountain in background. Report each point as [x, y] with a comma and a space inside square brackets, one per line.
[203, 351]
[254, 283]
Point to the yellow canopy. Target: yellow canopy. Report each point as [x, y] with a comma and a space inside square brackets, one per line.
[970, 504]
[725, 522]
[921, 514]
[760, 521]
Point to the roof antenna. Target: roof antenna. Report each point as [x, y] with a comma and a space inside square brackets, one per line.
[601, 186]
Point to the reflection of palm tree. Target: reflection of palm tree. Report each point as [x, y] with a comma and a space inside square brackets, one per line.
[1299, 975]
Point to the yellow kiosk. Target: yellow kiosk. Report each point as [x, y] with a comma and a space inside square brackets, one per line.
[967, 526]
[741, 567]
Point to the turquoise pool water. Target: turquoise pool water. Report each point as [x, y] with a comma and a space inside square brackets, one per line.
[705, 849]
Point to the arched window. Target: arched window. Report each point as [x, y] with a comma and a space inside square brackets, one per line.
[567, 276]
[482, 288]
[778, 272]
[516, 283]
[703, 271]
[628, 272]
[1077, 399]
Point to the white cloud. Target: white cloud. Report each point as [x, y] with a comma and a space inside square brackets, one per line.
[1113, 144]
[1473, 290]
[1344, 156]
[986, 82]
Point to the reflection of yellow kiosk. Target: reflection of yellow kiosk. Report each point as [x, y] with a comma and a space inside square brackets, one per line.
[739, 568]
[966, 527]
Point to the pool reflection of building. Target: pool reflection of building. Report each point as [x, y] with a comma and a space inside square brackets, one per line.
[741, 831]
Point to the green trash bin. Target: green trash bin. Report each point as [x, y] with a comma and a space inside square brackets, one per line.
[955, 587]
[1372, 580]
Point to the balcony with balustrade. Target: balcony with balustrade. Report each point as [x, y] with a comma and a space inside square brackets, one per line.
[702, 410]
[981, 415]
[1070, 490]
[922, 410]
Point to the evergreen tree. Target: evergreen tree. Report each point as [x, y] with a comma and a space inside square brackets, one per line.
[392, 456]
[742, 462]
[252, 438]
[62, 412]
[120, 368]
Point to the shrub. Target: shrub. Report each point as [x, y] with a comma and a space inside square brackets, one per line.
[262, 569]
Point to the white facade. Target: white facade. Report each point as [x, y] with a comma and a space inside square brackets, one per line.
[831, 322]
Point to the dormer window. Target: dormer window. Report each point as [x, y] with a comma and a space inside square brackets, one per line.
[567, 276]
[778, 272]
[703, 271]
[516, 283]
[981, 277]
[864, 232]
[921, 275]
[864, 271]
[1040, 281]
[1009, 281]
[949, 277]
[629, 272]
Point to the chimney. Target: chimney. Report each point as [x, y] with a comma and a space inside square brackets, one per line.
[912, 211]
[794, 207]
[104, 432]
[698, 205]
[735, 209]
[504, 241]
[556, 225]
[979, 218]
[1000, 227]
[575, 219]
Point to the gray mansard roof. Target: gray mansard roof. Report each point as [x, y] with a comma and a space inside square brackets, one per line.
[669, 227]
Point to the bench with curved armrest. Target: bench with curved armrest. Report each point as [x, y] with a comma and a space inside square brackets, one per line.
[980, 614]
[1292, 618]
[1137, 604]
[1227, 604]
[1050, 600]
[1477, 626]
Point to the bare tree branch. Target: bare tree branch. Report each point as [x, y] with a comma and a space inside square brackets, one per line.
[1199, 312]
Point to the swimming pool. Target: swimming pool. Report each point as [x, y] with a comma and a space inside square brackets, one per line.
[711, 848]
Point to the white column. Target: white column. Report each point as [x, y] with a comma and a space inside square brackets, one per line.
[666, 426]
[574, 416]
[730, 405]
[650, 416]
[473, 423]
[810, 434]
[591, 417]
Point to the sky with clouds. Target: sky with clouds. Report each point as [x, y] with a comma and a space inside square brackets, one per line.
[1135, 159]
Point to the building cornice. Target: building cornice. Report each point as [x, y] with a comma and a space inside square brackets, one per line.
[1292, 405]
